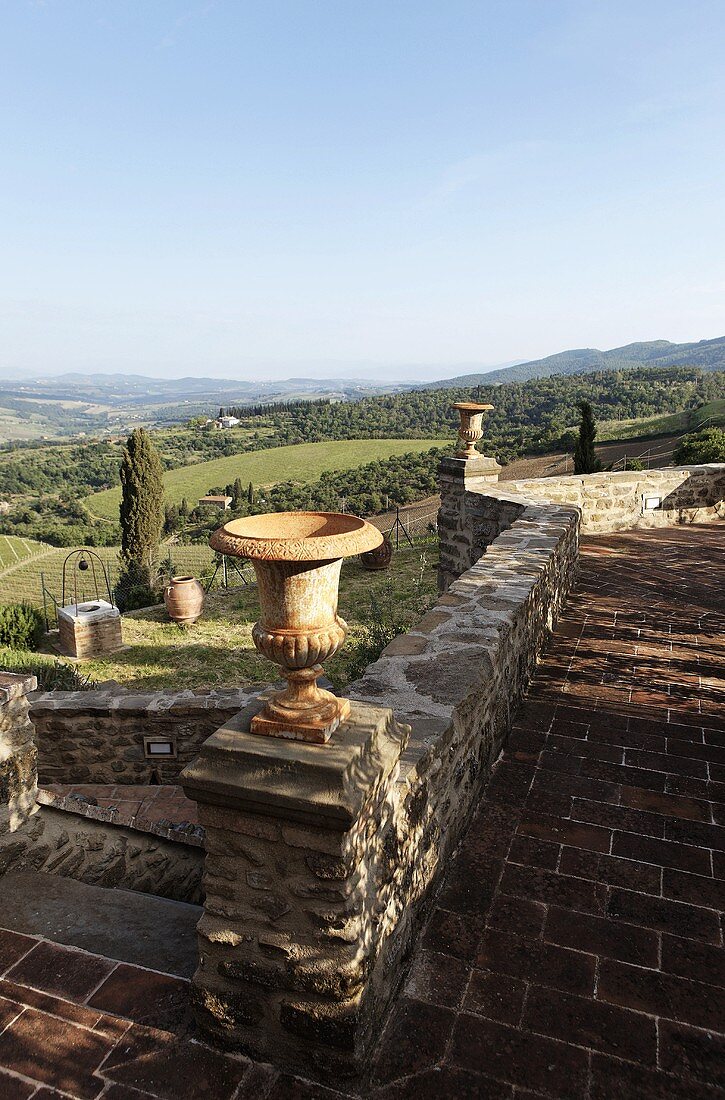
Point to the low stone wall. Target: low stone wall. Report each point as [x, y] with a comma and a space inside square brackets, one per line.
[474, 512]
[99, 736]
[457, 679]
[616, 501]
[75, 845]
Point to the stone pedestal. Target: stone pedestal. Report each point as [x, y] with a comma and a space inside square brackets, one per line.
[295, 959]
[18, 755]
[459, 549]
[89, 629]
[479, 467]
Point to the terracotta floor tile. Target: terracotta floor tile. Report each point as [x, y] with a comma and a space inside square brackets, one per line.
[173, 1069]
[8, 1011]
[158, 1000]
[13, 1088]
[13, 946]
[62, 970]
[55, 1053]
[47, 1002]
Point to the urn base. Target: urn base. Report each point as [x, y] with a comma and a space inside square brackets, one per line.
[316, 727]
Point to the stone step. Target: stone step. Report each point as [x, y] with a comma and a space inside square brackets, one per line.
[119, 924]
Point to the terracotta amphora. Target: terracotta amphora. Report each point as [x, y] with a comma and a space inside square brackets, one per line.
[184, 599]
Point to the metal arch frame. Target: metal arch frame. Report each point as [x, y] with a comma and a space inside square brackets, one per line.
[86, 552]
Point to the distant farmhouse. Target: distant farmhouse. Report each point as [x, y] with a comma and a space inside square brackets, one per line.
[223, 503]
[227, 421]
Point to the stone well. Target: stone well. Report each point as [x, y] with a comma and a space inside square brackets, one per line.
[89, 629]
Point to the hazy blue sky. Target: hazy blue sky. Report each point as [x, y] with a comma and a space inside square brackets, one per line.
[286, 186]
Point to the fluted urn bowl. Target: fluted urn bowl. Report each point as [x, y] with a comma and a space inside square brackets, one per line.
[470, 430]
[297, 557]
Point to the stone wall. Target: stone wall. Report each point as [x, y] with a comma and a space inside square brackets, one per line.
[457, 679]
[299, 870]
[18, 775]
[98, 736]
[314, 901]
[75, 845]
[616, 501]
[474, 512]
[69, 836]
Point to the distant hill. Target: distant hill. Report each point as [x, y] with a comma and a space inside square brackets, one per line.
[708, 355]
[135, 389]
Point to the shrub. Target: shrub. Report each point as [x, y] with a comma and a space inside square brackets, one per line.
[21, 626]
[52, 675]
[699, 447]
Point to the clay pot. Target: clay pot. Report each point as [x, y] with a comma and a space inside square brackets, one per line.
[297, 558]
[380, 557]
[470, 431]
[184, 599]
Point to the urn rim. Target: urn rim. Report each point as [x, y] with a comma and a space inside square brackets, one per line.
[471, 406]
[296, 536]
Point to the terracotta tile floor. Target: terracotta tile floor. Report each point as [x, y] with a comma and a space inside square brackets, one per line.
[576, 949]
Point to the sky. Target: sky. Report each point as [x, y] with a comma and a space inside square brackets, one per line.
[388, 189]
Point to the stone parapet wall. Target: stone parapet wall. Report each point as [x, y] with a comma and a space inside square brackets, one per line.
[457, 679]
[322, 859]
[615, 501]
[18, 775]
[98, 736]
[74, 845]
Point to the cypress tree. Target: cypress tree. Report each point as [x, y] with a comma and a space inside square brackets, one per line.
[142, 507]
[585, 459]
[250, 494]
[237, 494]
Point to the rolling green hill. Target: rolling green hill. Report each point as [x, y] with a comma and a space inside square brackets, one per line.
[14, 550]
[304, 462]
[645, 427]
[708, 355]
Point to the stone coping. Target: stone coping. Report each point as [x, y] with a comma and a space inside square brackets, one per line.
[119, 698]
[88, 611]
[13, 685]
[160, 810]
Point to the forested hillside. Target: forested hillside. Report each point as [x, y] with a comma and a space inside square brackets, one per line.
[527, 416]
[45, 484]
[706, 355]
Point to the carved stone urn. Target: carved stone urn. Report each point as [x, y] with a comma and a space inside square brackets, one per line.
[297, 557]
[470, 431]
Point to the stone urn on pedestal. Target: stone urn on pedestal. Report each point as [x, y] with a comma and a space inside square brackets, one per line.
[470, 430]
[297, 557]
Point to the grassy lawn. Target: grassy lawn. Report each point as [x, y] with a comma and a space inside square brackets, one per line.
[304, 462]
[218, 650]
